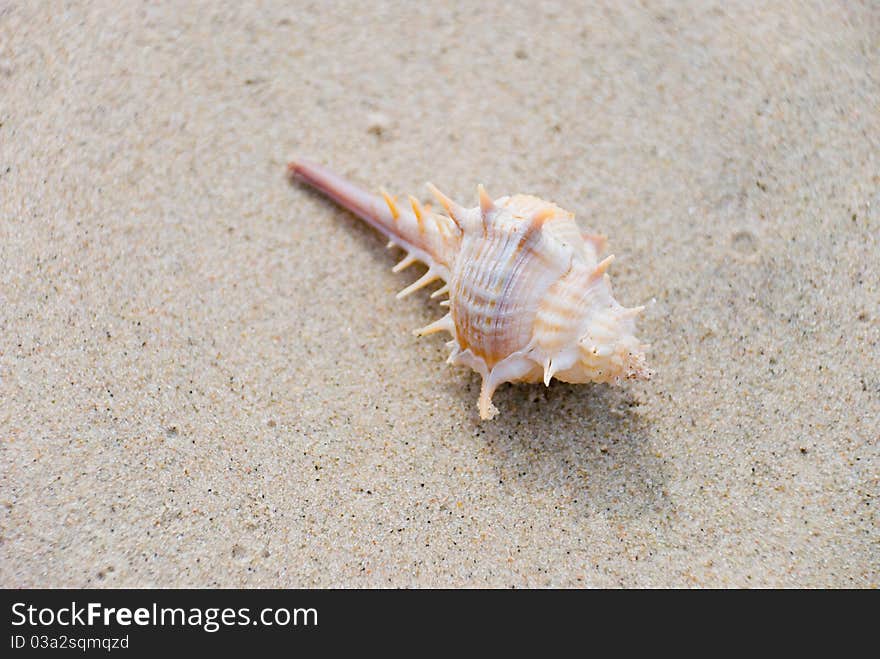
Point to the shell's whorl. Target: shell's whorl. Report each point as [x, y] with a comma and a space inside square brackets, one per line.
[529, 299]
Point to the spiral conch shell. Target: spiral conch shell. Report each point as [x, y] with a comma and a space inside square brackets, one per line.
[529, 299]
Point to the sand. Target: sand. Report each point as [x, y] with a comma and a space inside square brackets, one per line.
[205, 379]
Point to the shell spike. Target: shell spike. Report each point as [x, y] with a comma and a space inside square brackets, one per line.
[487, 390]
[427, 278]
[455, 211]
[444, 324]
[486, 203]
[392, 205]
[602, 268]
[407, 261]
[549, 370]
[443, 290]
[418, 211]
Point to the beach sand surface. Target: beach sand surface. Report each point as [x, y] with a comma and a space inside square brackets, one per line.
[206, 379]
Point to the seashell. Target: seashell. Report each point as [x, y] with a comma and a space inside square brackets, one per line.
[529, 299]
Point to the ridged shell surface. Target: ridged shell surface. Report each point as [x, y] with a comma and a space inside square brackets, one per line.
[501, 276]
[529, 299]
